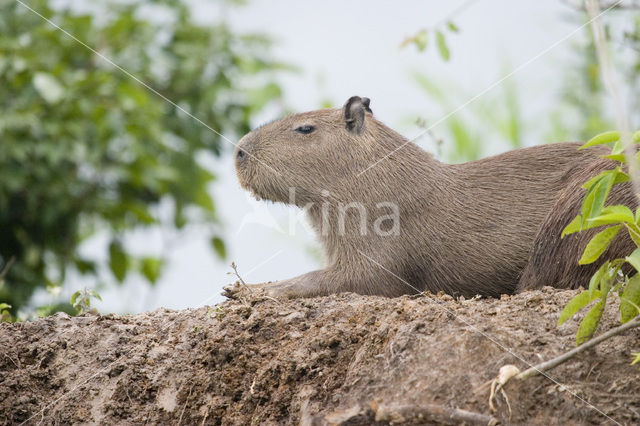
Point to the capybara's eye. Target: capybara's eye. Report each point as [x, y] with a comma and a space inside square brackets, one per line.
[305, 130]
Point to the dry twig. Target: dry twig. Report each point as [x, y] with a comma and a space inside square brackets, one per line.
[499, 383]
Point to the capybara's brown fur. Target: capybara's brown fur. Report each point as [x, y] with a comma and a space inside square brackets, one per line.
[464, 229]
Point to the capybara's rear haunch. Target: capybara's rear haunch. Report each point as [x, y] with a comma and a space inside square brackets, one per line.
[393, 220]
[554, 261]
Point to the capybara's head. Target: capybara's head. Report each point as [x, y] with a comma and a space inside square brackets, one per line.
[313, 152]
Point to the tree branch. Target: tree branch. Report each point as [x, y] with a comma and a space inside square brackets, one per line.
[552, 363]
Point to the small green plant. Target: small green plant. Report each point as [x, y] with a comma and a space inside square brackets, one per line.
[5, 314]
[216, 311]
[220, 313]
[81, 299]
[609, 279]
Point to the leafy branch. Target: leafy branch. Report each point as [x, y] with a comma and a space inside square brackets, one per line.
[609, 278]
[438, 31]
[86, 149]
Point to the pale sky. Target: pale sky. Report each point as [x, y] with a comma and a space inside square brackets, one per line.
[343, 49]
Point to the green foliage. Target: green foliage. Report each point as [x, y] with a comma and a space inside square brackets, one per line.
[421, 39]
[582, 109]
[630, 299]
[219, 247]
[85, 147]
[81, 299]
[443, 49]
[5, 314]
[118, 261]
[602, 139]
[576, 304]
[609, 277]
[590, 322]
[598, 244]
[480, 124]
[151, 268]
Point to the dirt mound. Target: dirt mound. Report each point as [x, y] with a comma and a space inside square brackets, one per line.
[316, 361]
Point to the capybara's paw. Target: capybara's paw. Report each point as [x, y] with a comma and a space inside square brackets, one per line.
[236, 290]
[240, 290]
[231, 291]
[272, 290]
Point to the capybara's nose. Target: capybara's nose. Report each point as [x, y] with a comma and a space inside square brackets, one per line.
[240, 154]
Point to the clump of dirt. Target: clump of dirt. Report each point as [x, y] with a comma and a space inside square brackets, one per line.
[335, 359]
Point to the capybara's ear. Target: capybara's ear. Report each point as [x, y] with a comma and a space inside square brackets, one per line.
[354, 111]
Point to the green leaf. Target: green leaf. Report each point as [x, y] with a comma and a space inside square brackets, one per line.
[596, 196]
[602, 139]
[421, 40]
[589, 184]
[84, 266]
[141, 213]
[573, 227]
[606, 281]
[616, 157]
[204, 200]
[590, 323]
[630, 297]
[618, 148]
[179, 217]
[613, 214]
[442, 46]
[452, 27]
[219, 247]
[617, 174]
[465, 142]
[95, 294]
[4, 306]
[151, 268]
[118, 261]
[634, 233]
[598, 244]
[620, 176]
[634, 259]
[600, 194]
[636, 359]
[603, 272]
[578, 302]
[74, 298]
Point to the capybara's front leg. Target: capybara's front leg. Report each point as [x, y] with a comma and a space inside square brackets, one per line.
[315, 283]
